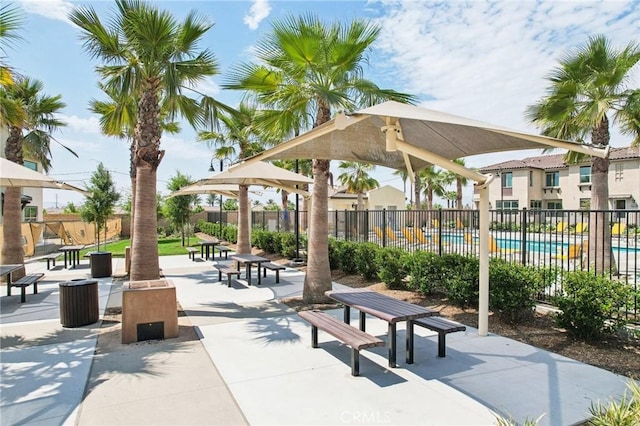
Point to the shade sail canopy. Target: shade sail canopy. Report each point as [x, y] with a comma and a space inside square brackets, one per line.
[259, 173]
[13, 174]
[408, 137]
[228, 190]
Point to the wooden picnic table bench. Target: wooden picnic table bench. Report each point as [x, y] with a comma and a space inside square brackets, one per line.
[347, 334]
[50, 258]
[229, 272]
[443, 326]
[223, 249]
[272, 267]
[24, 282]
[191, 252]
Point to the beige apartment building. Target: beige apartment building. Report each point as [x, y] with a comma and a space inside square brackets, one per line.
[547, 182]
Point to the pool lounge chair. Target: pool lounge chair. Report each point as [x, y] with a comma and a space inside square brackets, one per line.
[581, 227]
[391, 235]
[408, 235]
[494, 247]
[378, 232]
[618, 229]
[420, 237]
[561, 226]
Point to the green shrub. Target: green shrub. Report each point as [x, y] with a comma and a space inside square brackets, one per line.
[391, 269]
[366, 260]
[425, 271]
[460, 278]
[334, 253]
[288, 245]
[347, 255]
[513, 289]
[592, 305]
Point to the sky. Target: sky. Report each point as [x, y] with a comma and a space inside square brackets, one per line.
[482, 60]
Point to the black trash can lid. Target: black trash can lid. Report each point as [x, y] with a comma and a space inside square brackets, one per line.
[78, 282]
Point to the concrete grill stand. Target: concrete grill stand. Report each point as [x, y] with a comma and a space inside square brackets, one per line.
[149, 311]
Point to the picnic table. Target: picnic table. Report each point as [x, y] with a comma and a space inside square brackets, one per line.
[387, 309]
[72, 253]
[7, 270]
[248, 260]
[208, 248]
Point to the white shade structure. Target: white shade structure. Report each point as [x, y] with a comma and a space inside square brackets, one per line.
[261, 174]
[407, 137]
[227, 190]
[13, 174]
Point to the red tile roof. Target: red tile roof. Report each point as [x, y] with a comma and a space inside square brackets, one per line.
[556, 161]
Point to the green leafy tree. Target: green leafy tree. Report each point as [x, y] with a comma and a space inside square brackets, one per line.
[155, 59]
[29, 130]
[588, 87]
[305, 69]
[70, 208]
[100, 204]
[178, 210]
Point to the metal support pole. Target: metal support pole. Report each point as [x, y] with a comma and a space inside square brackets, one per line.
[297, 221]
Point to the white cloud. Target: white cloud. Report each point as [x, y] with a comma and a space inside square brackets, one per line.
[53, 9]
[208, 87]
[77, 124]
[489, 60]
[259, 10]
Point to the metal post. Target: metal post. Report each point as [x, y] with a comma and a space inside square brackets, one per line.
[297, 221]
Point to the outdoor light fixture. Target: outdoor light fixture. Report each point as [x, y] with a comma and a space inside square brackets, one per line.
[211, 168]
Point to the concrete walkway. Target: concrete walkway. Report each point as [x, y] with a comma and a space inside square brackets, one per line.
[244, 358]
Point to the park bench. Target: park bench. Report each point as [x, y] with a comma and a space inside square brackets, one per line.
[24, 282]
[443, 327]
[347, 334]
[223, 249]
[272, 267]
[191, 251]
[50, 258]
[229, 272]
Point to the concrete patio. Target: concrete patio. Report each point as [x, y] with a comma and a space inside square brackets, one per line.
[243, 357]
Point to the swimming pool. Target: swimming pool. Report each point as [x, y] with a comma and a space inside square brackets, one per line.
[535, 245]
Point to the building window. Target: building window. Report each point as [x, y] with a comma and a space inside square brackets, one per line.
[530, 177]
[585, 203]
[552, 179]
[554, 205]
[31, 165]
[507, 179]
[620, 204]
[507, 205]
[30, 213]
[619, 169]
[585, 174]
[535, 205]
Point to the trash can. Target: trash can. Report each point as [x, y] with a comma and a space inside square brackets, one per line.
[78, 302]
[100, 264]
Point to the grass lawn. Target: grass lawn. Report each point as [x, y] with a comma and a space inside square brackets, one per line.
[166, 246]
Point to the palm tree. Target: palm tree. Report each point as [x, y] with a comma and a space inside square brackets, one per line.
[154, 59]
[583, 91]
[357, 179]
[238, 139]
[34, 131]
[307, 68]
[461, 182]
[11, 19]
[434, 181]
[118, 118]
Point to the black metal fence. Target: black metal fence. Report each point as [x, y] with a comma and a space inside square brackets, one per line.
[565, 239]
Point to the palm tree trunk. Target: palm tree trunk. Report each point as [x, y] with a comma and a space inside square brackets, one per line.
[286, 221]
[417, 189]
[147, 158]
[244, 235]
[459, 194]
[144, 251]
[600, 257]
[12, 252]
[318, 277]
